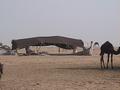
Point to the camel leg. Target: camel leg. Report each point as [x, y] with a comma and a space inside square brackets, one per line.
[112, 61]
[101, 61]
[108, 60]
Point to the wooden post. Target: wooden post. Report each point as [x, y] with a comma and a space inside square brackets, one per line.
[59, 50]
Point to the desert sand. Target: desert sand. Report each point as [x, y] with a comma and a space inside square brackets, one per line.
[58, 73]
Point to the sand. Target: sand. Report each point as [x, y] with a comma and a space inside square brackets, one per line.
[58, 73]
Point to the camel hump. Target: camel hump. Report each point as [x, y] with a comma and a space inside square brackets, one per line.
[107, 44]
[107, 47]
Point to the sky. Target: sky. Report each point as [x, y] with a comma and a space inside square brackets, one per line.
[89, 20]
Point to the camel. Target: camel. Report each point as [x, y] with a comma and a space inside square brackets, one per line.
[107, 48]
[86, 51]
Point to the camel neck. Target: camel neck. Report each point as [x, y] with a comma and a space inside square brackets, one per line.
[117, 52]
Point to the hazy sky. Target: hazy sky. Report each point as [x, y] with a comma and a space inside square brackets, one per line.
[97, 20]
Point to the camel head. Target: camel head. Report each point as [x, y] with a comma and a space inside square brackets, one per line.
[88, 49]
[117, 52]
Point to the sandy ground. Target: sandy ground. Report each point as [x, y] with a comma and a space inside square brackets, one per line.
[58, 73]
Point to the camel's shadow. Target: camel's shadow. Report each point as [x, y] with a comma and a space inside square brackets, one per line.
[115, 69]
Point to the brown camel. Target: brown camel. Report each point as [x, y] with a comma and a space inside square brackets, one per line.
[107, 48]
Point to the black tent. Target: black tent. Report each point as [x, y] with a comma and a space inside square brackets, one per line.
[59, 41]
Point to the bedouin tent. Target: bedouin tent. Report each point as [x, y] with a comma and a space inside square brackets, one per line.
[59, 41]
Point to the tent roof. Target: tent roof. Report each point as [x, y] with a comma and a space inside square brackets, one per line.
[45, 41]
